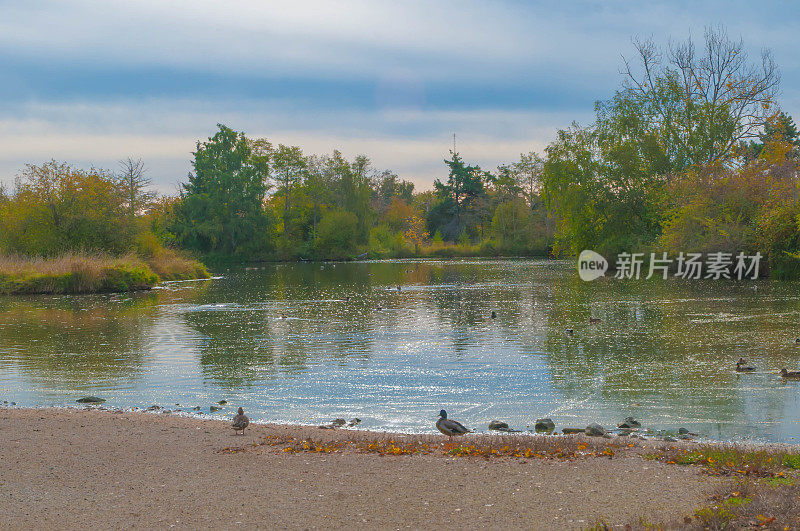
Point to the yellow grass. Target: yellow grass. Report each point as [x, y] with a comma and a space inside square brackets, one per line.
[74, 273]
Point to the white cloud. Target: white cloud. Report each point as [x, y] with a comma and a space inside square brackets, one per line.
[402, 48]
[101, 134]
[437, 40]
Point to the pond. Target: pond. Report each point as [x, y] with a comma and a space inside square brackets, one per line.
[309, 342]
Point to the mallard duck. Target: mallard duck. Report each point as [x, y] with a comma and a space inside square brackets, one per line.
[790, 375]
[494, 314]
[594, 320]
[449, 427]
[741, 366]
[569, 332]
[240, 421]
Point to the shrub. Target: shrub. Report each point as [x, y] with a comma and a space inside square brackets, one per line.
[336, 234]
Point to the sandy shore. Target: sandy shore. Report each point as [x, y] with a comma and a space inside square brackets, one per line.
[98, 469]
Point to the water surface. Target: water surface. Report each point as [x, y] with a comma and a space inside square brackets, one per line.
[353, 345]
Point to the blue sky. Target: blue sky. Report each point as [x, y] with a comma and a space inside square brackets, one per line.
[91, 82]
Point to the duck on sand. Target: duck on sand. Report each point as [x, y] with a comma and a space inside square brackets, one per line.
[240, 421]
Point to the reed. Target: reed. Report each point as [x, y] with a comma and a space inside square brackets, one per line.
[74, 273]
[169, 264]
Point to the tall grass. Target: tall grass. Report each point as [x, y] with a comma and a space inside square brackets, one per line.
[168, 263]
[74, 273]
[171, 265]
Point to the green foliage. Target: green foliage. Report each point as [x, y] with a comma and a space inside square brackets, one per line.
[221, 207]
[127, 277]
[792, 461]
[718, 516]
[613, 186]
[55, 209]
[337, 234]
[461, 204]
[288, 167]
[779, 128]
[750, 208]
[386, 243]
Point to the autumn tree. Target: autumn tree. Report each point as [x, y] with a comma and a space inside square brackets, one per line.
[703, 101]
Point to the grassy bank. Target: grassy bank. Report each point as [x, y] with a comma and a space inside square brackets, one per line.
[483, 249]
[93, 273]
[764, 491]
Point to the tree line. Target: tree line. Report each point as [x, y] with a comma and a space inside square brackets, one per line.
[246, 197]
[692, 153]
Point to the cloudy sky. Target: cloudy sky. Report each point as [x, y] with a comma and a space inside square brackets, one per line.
[91, 82]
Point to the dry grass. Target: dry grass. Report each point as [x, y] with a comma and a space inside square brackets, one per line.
[731, 459]
[765, 503]
[168, 263]
[73, 273]
[765, 494]
[16, 265]
[171, 265]
[482, 446]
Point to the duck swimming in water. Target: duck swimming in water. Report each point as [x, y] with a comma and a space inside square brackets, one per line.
[790, 375]
[449, 427]
[741, 366]
[240, 421]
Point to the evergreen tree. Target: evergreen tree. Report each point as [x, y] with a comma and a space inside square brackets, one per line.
[221, 208]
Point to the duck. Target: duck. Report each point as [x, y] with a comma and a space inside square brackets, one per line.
[594, 320]
[494, 314]
[240, 421]
[569, 331]
[449, 427]
[283, 316]
[741, 366]
[790, 375]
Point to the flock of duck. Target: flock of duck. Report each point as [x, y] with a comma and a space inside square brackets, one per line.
[742, 366]
[445, 425]
[452, 428]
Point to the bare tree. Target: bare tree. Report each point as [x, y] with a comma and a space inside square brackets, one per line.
[708, 99]
[133, 186]
[529, 168]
